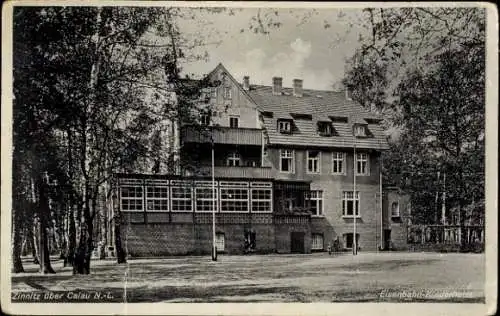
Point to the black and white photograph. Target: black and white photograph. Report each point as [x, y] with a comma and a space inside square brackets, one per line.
[249, 152]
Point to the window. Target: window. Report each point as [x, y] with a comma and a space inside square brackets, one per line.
[338, 162]
[317, 242]
[261, 200]
[348, 203]
[227, 92]
[313, 161]
[287, 160]
[234, 200]
[204, 199]
[284, 126]
[213, 92]
[359, 130]
[316, 202]
[181, 199]
[233, 159]
[395, 209]
[157, 199]
[233, 122]
[349, 241]
[220, 241]
[325, 129]
[205, 119]
[131, 198]
[362, 164]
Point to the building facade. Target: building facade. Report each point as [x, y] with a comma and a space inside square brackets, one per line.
[294, 170]
[396, 214]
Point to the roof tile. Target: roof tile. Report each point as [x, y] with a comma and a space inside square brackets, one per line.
[330, 103]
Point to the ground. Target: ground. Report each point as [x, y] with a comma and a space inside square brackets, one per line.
[367, 277]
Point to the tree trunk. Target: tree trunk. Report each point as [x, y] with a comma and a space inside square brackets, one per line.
[71, 238]
[121, 256]
[120, 253]
[33, 239]
[42, 229]
[83, 253]
[17, 263]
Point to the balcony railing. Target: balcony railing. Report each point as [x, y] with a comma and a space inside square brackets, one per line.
[237, 172]
[223, 135]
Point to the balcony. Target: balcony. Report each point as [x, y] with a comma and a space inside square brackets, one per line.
[223, 135]
[237, 172]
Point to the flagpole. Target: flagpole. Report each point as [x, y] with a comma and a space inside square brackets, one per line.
[355, 243]
[214, 248]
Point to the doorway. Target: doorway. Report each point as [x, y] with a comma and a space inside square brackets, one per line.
[297, 242]
[387, 239]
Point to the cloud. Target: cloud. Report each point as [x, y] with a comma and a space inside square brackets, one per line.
[290, 64]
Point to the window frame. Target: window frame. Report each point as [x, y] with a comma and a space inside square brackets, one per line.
[336, 159]
[356, 207]
[233, 117]
[322, 242]
[360, 130]
[325, 128]
[317, 159]
[135, 198]
[167, 199]
[316, 197]
[221, 199]
[259, 200]
[212, 202]
[287, 124]
[232, 158]
[205, 119]
[228, 93]
[291, 158]
[367, 164]
[172, 199]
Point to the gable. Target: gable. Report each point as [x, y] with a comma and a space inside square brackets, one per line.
[230, 100]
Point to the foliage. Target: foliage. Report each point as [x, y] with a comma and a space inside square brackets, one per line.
[423, 69]
[91, 86]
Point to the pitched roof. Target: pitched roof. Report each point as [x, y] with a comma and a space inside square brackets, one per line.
[319, 104]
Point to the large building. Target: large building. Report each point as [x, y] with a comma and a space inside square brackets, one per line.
[285, 163]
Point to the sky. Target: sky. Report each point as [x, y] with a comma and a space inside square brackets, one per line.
[298, 49]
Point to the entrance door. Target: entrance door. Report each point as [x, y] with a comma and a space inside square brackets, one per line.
[297, 242]
[220, 241]
[387, 239]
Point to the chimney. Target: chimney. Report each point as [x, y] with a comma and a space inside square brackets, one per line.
[246, 83]
[297, 87]
[277, 81]
[348, 94]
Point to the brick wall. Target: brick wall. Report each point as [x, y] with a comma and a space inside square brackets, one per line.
[321, 225]
[186, 238]
[283, 236]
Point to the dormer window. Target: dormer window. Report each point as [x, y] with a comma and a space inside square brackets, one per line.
[325, 129]
[359, 130]
[285, 126]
